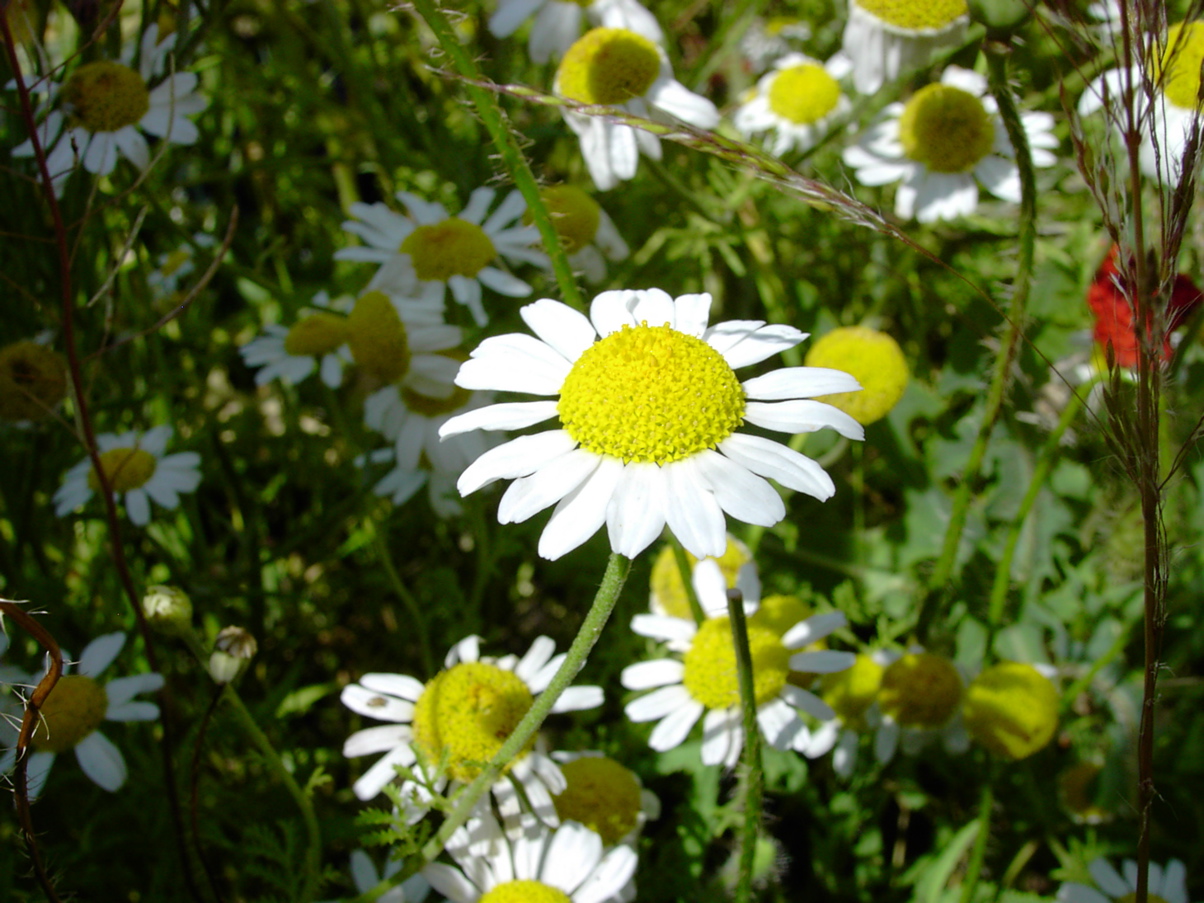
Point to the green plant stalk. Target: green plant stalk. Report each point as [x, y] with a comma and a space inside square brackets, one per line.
[591, 629]
[752, 774]
[687, 581]
[997, 56]
[979, 851]
[492, 117]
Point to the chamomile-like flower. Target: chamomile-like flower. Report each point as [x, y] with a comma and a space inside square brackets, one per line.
[798, 102]
[943, 140]
[107, 105]
[1168, 117]
[75, 709]
[137, 471]
[850, 693]
[704, 680]
[318, 341]
[558, 23]
[33, 380]
[462, 716]
[174, 266]
[537, 865]
[648, 405]
[589, 236]
[887, 38]
[877, 362]
[1011, 708]
[605, 796]
[919, 699]
[668, 595]
[459, 252]
[618, 67]
[1166, 885]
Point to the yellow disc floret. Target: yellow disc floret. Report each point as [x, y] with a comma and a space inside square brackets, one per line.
[650, 394]
[524, 891]
[602, 795]
[851, 692]
[779, 613]
[75, 708]
[454, 247]
[947, 129]
[920, 690]
[916, 15]
[33, 379]
[804, 94]
[467, 713]
[608, 65]
[126, 468]
[575, 216]
[877, 362]
[377, 338]
[316, 335]
[710, 664]
[105, 96]
[1011, 709]
[1180, 64]
[668, 591]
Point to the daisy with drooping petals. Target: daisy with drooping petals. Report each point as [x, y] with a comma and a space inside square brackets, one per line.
[107, 105]
[798, 101]
[558, 23]
[458, 252]
[648, 405]
[887, 38]
[1166, 885]
[705, 681]
[587, 233]
[618, 67]
[294, 353]
[75, 709]
[462, 716]
[919, 699]
[137, 471]
[568, 864]
[943, 140]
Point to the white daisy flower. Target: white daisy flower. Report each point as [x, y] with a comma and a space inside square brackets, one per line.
[704, 679]
[668, 591]
[107, 106]
[618, 67]
[1167, 119]
[568, 863]
[558, 23]
[462, 716]
[888, 38]
[172, 267]
[648, 405]
[941, 141]
[414, 889]
[1166, 885]
[137, 470]
[919, 700]
[588, 234]
[768, 39]
[605, 796]
[798, 101]
[850, 693]
[75, 709]
[455, 251]
[292, 354]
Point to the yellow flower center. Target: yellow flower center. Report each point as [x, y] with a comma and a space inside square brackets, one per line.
[126, 468]
[575, 216]
[667, 587]
[524, 891]
[75, 708]
[804, 94]
[33, 379]
[852, 691]
[608, 65]
[466, 713]
[454, 247]
[1181, 62]
[316, 335]
[875, 359]
[710, 672]
[602, 795]
[916, 15]
[650, 394]
[945, 128]
[920, 690]
[377, 338]
[1011, 709]
[106, 96]
[779, 613]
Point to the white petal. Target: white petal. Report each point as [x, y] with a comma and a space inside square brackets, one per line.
[799, 382]
[512, 416]
[610, 877]
[133, 711]
[778, 462]
[801, 415]
[573, 851]
[739, 492]
[636, 514]
[814, 628]
[722, 738]
[516, 458]
[381, 738]
[101, 761]
[579, 699]
[568, 331]
[99, 653]
[761, 344]
[674, 98]
[826, 661]
[808, 702]
[581, 513]
[514, 363]
[660, 703]
[529, 495]
[675, 727]
[664, 628]
[372, 704]
[400, 685]
[541, 651]
[1108, 878]
[692, 512]
[647, 675]
[123, 689]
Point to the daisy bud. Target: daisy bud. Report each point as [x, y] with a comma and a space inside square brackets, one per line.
[232, 649]
[168, 609]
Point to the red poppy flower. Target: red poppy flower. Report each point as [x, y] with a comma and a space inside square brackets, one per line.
[1114, 315]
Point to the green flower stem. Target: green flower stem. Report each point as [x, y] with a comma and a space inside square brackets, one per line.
[494, 119]
[997, 56]
[979, 851]
[752, 775]
[591, 629]
[687, 581]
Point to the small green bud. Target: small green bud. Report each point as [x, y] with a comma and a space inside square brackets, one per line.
[167, 609]
[1001, 17]
[232, 649]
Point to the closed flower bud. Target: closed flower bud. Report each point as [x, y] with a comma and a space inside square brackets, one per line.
[167, 609]
[232, 649]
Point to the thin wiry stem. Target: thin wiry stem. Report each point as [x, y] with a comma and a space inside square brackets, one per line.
[752, 774]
